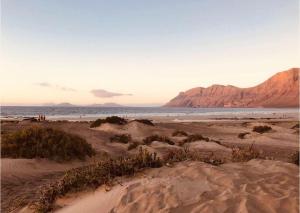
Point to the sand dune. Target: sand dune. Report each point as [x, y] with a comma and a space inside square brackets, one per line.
[255, 186]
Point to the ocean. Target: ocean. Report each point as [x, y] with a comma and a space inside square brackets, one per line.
[91, 113]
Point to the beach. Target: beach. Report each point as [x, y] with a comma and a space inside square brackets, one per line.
[21, 178]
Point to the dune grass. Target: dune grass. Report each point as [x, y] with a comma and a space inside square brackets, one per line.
[144, 121]
[242, 135]
[112, 120]
[193, 138]
[94, 176]
[38, 142]
[262, 129]
[148, 140]
[179, 133]
[122, 138]
[244, 154]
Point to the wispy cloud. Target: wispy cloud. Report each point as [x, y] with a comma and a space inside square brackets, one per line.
[55, 86]
[101, 93]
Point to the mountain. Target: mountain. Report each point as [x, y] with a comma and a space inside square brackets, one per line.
[106, 105]
[281, 90]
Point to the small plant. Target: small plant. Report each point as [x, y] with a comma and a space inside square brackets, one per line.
[243, 134]
[112, 120]
[262, 129]
[244, 154]
[148, 140]
[179, 155]
[123, 138]
[179, 133]
[132, 145]
[295, 126]
[94, 176]
[145, 121]
[295, 158]
[193, 138]
[48, 143]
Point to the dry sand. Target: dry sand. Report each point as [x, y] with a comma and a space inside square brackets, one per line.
[256, 186]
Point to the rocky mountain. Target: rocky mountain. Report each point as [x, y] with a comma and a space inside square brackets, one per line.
[281, 90]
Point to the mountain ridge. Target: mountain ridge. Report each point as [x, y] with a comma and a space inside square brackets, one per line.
[279, 91]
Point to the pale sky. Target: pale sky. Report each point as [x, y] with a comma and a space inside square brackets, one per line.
[136, 52]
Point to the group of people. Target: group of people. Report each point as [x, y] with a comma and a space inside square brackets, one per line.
[42, 118]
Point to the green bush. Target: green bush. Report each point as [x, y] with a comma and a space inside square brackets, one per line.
[148, 140]
[262, 129]
[123, 138]
[112, 120]
[179, 133]
[45, 143]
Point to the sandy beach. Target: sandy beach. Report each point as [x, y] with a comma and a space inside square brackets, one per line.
[267, 184]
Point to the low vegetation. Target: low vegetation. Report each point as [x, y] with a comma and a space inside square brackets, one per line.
[111, 120]
[132, 145]
[38, 142]
[122, 138]
[148, 140]
[179, 155]
[94, 176]
[243, 134]
[262, 129]
[193, 138]
[295, 158]
[295, 126]
[179, 133]
[145, 121]
[244, 154]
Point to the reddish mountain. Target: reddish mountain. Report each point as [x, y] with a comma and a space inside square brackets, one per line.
[281, 90]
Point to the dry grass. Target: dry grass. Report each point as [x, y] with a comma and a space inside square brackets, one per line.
[243, 134]
[132, 145]
[165, 139]
[94, 176]
[122, 138]
[145, 121]
[179, 155]
[244, 154]
[262, 129]
[193, 138]
[38, 142]
[179, 133]
[112, 120]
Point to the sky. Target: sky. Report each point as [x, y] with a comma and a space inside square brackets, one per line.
[138, 52]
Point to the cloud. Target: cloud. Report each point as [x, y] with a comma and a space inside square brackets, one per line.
[45, 84]
[101, 93]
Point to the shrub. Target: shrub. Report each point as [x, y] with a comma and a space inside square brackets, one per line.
[123, 138]
[261, 129]
[242, 135]
[185, 154]
[132, 145]
[148, 140]
[45, 143]
[244, 154]
[295, 126]
[295, 158]
[145, 121]
[112, 120]
[94, 176]
[179, 133]
[193, 138]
